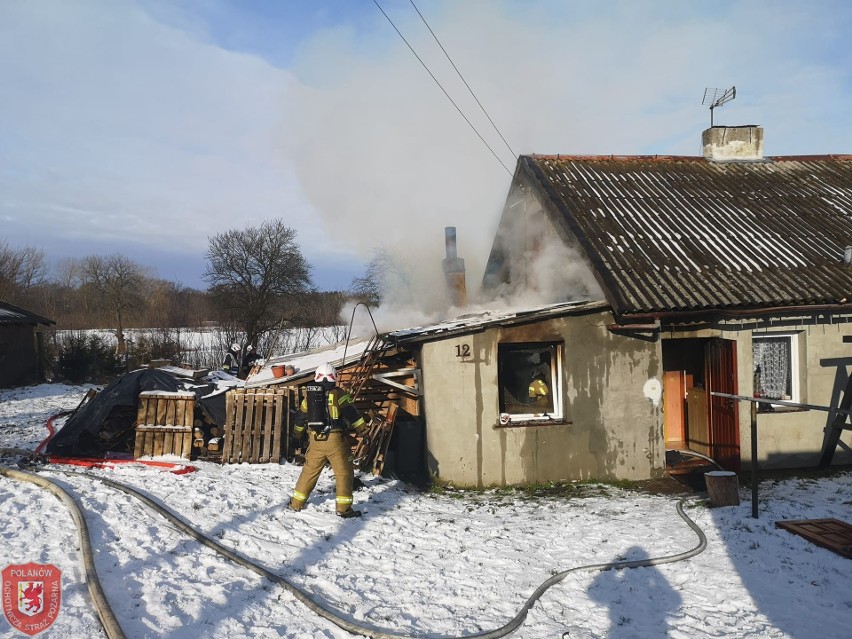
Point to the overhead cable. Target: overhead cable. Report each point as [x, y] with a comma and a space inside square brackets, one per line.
[463, 80]
[423, 64]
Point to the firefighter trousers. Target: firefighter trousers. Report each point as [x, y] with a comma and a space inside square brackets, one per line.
[337, 451]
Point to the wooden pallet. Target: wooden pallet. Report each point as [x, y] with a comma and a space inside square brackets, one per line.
[254, 422]
[164, 424]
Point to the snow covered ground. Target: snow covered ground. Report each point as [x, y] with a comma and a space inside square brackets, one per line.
[443, 563]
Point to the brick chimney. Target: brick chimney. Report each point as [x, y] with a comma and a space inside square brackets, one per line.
[733, 143]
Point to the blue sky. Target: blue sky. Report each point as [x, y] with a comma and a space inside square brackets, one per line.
[145, 126]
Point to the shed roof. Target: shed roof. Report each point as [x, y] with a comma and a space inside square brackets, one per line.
[670, 234]
[476, 322]
[10, 314]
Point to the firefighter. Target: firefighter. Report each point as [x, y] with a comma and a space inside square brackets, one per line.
[231, 363]
[539, 393]
[249, 360]
[328, 413]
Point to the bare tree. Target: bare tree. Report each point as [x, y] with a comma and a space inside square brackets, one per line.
[368, 288]
[118, 283]
[256, 276]
[20, 271]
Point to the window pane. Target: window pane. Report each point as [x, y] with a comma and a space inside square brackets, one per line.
[526, 375]
[773, 376]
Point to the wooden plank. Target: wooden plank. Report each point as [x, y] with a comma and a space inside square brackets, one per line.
[240, 424]
[228, 428]
[282, 405]
[168, 443]
[833, 534]
[273, 411]
[158, 443]
[189, 412]
[140, 444]
[162, 406]
[379, 464]
[233, 430]
[248, 415]
[142, 413]
[186, 448]
[148, 449]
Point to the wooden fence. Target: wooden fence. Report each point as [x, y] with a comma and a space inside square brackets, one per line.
[255, 425]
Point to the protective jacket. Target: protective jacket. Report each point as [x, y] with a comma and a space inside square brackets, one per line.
[231, 364]
[327, 412]
[329, 415]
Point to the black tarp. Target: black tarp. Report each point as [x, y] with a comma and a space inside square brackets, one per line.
[105, 423]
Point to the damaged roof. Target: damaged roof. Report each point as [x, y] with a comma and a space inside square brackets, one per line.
[675, 234]
[479, 321]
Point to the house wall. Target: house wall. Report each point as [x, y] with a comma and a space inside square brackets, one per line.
[18, 355]
[612, 395]
[793, 438]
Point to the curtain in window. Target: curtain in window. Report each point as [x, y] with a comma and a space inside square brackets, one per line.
[772, 367]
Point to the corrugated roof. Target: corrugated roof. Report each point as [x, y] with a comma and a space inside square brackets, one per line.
[10, 314]
[685, 234]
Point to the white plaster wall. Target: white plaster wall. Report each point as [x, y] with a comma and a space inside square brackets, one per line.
[613, 428]
[795, 439]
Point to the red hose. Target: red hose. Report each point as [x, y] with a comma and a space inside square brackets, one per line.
[90, 462]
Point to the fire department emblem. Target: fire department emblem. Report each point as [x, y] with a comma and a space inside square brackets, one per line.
[31, 596]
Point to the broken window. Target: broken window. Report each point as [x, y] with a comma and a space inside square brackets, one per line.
[530, 378]
[775, 361]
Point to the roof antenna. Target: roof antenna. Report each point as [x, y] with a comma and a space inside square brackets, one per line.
[718, 97]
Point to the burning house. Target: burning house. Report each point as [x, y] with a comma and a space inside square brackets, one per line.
[682, 288]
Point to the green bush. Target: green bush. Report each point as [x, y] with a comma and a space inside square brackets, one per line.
[86, 358]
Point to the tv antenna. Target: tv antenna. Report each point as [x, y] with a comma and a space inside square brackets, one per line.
[718, 97]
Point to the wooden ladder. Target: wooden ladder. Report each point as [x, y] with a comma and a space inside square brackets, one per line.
[372, 445]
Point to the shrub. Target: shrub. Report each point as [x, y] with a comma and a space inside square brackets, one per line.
[87, 358]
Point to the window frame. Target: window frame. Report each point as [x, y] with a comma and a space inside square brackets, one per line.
[795, 383]
[557, 416]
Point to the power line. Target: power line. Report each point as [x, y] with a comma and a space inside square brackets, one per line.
[462, 79]
[423, 64]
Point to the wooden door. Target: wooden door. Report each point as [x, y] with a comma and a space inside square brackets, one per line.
[674, 391]
[724, 436]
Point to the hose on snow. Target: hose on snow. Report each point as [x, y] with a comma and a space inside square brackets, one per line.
[105, 613]
[324, 611]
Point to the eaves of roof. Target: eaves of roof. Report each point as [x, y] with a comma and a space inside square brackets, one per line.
[480, 321]
[11, 315]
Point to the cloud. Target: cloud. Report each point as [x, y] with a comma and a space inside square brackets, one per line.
[119, 129]
[387, 160]
[140, 123]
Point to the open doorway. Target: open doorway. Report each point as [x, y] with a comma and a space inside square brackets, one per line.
[695, 419]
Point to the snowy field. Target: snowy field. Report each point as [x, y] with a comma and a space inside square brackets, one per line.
[432, 564]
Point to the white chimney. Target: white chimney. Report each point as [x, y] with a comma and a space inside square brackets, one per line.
[733, 143]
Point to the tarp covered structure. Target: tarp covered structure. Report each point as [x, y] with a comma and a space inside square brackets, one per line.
[106, 422]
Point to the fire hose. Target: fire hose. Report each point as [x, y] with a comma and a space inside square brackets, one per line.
[114, 631]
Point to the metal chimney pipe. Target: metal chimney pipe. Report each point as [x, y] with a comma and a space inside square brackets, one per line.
[454, 272]
[450, 241]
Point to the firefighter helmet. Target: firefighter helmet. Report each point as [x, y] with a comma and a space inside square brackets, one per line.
[325, 373]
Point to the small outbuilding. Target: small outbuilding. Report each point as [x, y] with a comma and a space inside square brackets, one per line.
[22, 356]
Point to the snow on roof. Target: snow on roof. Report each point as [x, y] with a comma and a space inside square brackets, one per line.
[471, 322]
[307, 361]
